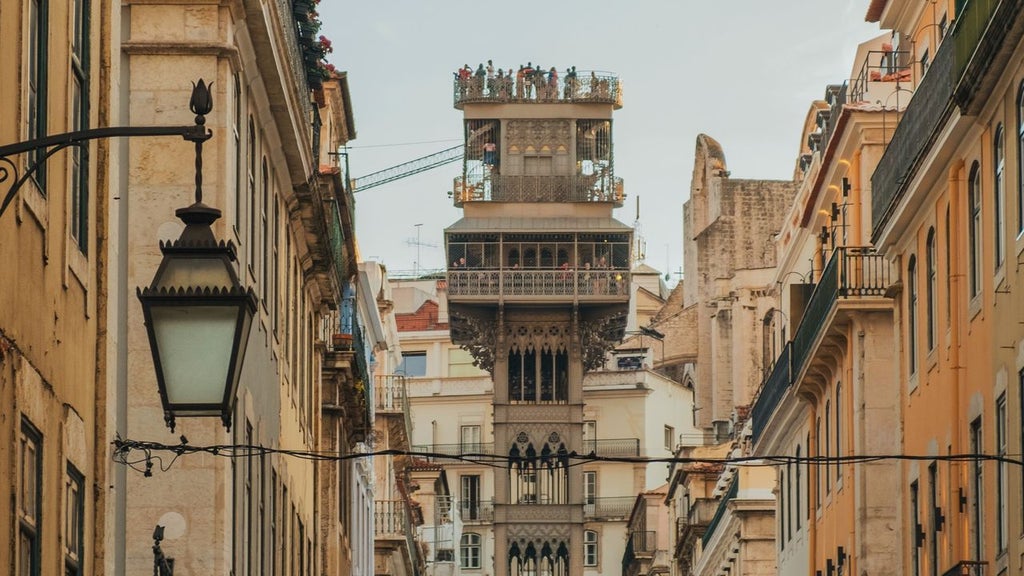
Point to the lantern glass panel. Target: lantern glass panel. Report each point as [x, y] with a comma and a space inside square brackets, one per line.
[195, 343]
[201, 272]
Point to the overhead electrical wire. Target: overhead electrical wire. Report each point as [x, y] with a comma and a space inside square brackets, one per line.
[154, 453]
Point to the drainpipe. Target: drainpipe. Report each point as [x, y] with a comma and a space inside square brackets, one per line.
[956, 275]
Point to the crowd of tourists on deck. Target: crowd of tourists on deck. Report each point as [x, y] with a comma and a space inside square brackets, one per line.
[529, 82]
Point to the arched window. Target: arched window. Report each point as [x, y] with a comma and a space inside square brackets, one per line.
[1020, 159]
[948, 273]
[998, 196]
[796, 506]
[931, 257]
[782, 510]
[469, 551]
[788, 510]
[974, 229]
[912, 315]
[828, 446]
[589, 548]
[839, 429]
[817, 469]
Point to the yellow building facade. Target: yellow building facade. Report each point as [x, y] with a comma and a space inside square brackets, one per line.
[947, 210]
[52, 313]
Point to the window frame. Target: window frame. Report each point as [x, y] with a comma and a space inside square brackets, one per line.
[977, 481]
[591, 547]
[1020, 159]
[36, 74]
[974, 228]
[79, 155]
[74, 522]
[912, 317]
[931, 287]
[999, 197]
[30, 522]
[1002, 478]
[403, 366]
[470, 551]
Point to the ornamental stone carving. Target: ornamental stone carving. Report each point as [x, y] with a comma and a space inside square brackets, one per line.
[539, 134]
[522, 336]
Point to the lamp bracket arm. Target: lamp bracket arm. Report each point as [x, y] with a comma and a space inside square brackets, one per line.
[52, 144]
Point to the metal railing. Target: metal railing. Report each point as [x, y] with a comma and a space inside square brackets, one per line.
[472, 512]
[880, 66]
[930, 106]
[723, 505]
[608, 507]
[519, 188]
[613, 447]
[587, 86]
[577, 283]
[850, 272]
[439, 451]
[967, 568]
[772, 391]
[645, 542]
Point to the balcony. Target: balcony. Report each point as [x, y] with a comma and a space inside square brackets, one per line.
[851, 275]
[613, 447]
[967, 568]
[393, 527]
[880, 66]
[586, 88]
[723, 505]
[694, 525]
[446, 452]
[607, 508]
[601, 285]
[526, 189]
[391, 402]
[959, 73]
[643, 543]
[477, 512]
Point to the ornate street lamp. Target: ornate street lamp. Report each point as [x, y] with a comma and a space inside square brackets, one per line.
[197, 312]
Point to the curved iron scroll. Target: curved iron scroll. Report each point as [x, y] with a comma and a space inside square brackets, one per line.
[196, 133]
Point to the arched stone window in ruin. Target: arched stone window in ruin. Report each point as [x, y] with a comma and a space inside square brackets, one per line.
[539, 477]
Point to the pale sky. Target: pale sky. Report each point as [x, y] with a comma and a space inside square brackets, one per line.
[742, 71]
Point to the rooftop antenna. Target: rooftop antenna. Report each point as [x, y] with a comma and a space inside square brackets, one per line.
[639, 243]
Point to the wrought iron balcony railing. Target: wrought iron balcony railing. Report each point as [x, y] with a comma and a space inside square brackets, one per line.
[723, 505]
[772, 391]
[473, 512]
[585, 87]
[608, 507]
[929, 107]
[521, 189]
[643, 543]
[880, 66]
[955, 78]
[592, 284]
[967, 568]
[439, 451]
[850, 273]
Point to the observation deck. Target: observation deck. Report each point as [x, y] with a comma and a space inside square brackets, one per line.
[520, 188]
[583, 87]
